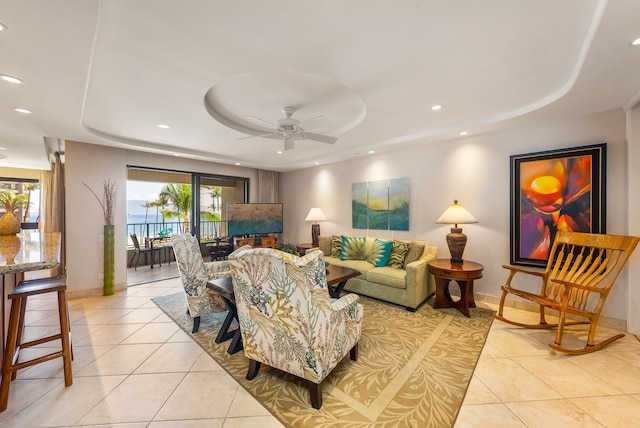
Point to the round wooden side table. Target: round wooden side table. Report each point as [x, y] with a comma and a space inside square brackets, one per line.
[464, 274]
[302, 248]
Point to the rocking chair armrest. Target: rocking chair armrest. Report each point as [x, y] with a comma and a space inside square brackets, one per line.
[515, 269]
[580, 286]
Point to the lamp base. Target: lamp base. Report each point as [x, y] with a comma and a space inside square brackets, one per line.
[456, 240]
[315, 233]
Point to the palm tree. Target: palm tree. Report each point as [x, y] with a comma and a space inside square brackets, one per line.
[147, 205]
[179, 197]
[29, 187]
[215, 193]
[161, 203]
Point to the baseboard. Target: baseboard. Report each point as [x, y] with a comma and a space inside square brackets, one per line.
[92, 292]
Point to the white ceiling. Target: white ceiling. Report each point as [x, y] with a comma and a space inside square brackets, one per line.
[108, 72]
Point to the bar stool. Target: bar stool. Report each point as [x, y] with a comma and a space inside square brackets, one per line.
[10, 364]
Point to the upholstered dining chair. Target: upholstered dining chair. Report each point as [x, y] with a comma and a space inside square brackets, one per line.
[195, 273]
[287, 319]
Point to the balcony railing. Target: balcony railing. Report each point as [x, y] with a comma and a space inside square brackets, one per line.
[209, 230]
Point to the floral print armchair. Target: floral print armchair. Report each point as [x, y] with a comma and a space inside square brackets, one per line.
[195, 273]
[287, 319]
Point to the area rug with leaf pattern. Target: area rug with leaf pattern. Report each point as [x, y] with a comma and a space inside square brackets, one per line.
[413, 368]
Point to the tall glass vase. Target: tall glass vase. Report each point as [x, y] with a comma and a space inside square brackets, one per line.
[108, 283]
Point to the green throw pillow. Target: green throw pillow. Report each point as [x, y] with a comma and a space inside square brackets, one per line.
[398, 253]
[336, 246]
[414, 253]
[353, 248]
[324, 243]
[379, 252]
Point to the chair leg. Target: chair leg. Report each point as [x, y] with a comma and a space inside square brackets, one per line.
[254, 368]
[136, 256]
[353, 353]
[64, 336]
[196, 324]
[9, 354]
[315, 391]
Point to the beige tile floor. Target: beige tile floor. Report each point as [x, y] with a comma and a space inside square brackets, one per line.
[135, 368]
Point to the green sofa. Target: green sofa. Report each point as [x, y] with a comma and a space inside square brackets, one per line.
[404, 280]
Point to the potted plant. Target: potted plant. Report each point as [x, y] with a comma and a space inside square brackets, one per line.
[288, 248]
[108, 204]
[10, 223]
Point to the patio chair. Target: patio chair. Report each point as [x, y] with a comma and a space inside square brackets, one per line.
[581, 270]
[195, 273]
[287, 319]
[137, 250]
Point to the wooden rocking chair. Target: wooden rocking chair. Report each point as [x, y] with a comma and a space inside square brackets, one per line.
[581, 270]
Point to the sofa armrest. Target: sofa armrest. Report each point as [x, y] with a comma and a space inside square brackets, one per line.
[419, 282]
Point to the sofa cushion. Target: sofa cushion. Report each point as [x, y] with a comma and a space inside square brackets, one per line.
[416, 248]
[353, 248]
[398, 253]
[336, 246]
[379, 251]
[324, 243]
[361, 266]
[388, 276]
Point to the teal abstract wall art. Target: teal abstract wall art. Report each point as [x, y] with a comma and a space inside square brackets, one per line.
[381, 204]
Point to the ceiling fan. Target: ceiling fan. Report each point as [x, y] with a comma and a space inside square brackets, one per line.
[291, 129]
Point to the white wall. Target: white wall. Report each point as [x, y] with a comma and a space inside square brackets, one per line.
[633, 137]
[474, 170]
[92, 164]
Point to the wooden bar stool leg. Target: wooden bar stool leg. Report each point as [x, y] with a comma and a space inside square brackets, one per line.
[9, 353]
[64, 333]
[20, 331]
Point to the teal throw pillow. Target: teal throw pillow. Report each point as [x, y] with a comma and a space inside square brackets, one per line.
[353, 248]
[379, 252]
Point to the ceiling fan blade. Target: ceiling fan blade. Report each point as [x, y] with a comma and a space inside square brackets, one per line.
[273, 125]
[258, 136]
[321, 138]
[288, 143]
[313, 119]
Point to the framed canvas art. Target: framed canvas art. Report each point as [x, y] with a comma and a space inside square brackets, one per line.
[551, 191]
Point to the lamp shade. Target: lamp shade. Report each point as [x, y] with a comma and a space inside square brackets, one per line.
[315, 214]
[456, 214]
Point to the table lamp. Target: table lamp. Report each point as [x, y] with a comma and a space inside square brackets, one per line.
[315, 215]
[456, 240]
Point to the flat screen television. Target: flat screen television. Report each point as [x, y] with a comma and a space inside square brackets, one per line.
[254, 219]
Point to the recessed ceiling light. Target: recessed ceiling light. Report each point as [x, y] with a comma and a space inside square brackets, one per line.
[464, 133]
[22, 110]
[636, 42]
[317, 163]
[2, 27]
[237, 163]
[3, 148]
[10, 78]
[371, 152]
[163, 126]
[436, 107]
[279, 152]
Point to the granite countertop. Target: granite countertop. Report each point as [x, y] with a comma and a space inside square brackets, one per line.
[29, 251]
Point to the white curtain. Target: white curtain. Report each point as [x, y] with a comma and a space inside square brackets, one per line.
[53, 194]
[267, 186]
